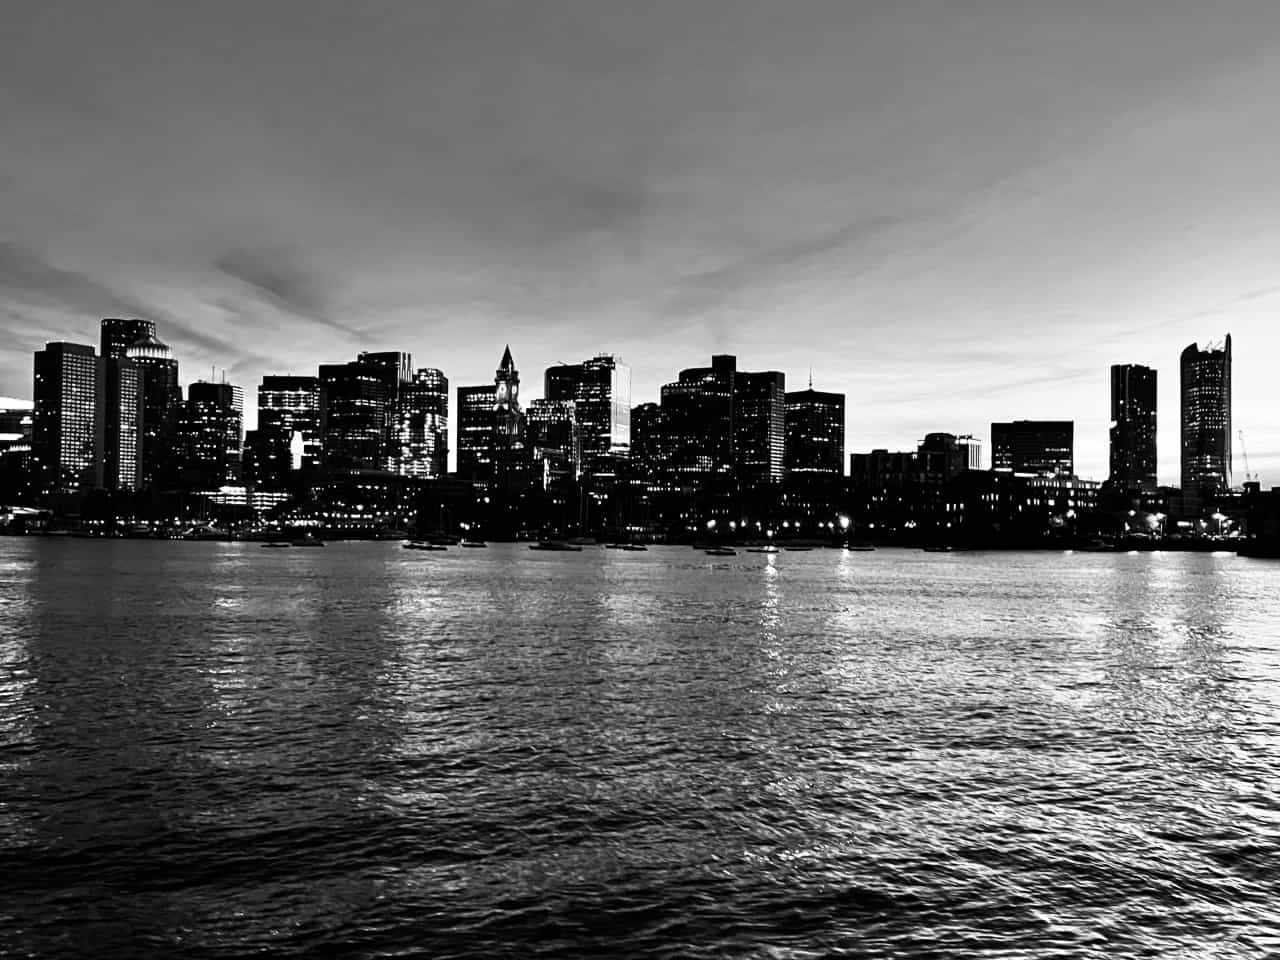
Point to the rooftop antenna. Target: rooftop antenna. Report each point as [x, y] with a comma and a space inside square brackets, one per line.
[1244, 452]
[810, 376]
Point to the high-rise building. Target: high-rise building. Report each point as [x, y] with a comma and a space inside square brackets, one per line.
[600, 390]
[698, 427]
[760, 427]
[420, 426]
[1206, 419]
[15, 451]
[209, 434]
[944, 456]
[476, 428]
[118, 424]
[62, 426]
[554, 440]
[1133, 427]
[289, 412]
[1044, 448]
[161, 397]
[357, 400]
[815, 433]
[119, 335]
[648, 455]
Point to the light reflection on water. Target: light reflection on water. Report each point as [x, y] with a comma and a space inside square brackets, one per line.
[220, 749]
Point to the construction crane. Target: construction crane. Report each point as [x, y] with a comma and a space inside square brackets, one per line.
[1244, 452]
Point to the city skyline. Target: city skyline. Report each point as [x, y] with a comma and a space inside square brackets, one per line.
[984, 209]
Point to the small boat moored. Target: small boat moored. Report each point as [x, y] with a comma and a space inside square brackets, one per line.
[558, 546]
[721, 552]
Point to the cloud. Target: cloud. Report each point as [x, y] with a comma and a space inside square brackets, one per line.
[29, 280]
[276, 277]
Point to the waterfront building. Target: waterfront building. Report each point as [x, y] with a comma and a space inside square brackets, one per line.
[63, 418]
[1043, 448]
[15, 451]
[161, 397]
[555, 442]
[420, 426]
[290, 407]
[356, 400]
[1206, 419]
[209, 435]
[1133, 427]
[118, 418]
[476, 434]
[697, 424]
[814, 433]
[760, 428]
[600, 390]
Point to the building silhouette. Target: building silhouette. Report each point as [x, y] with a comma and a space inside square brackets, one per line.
[420, 426]
[63, 418]
[760, 429]
[1133, 427]
[118, 419]
[356, 400]
[161, 397]
[476, 434]
[1043, 448]
[1206, 419]
[697, 426]
[118, 335]
[815, 433]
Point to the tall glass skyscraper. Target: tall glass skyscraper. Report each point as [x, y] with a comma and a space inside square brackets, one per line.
[600, 390]
[420, 426]
[1206, 419]
[1133, 427]
[815, 433]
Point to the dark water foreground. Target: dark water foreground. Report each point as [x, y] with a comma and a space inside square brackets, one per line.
[214, 750]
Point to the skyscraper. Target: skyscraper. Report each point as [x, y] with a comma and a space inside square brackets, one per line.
[62, 427]
[209, 434]
[1044, 448]
[1133, 427]
[815, 433]
[600, 390]
[161, 396]
[697, 422]
[420, 426]
[1206, 419]
[118, 424]
[119, 335]
[356, 400]
[289, 406]
[554, 440]
[760, 428]
[476, 434]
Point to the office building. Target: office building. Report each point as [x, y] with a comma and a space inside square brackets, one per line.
[118, 335]
[420, 426]
[63, 418]
[554, 439]
[698, 434]
[491, 432]
[289, 410]
[209, 435]
[476, 434]
[118, 422]
[1044, 448]
[815, 433]
[1206, 419]
[357, 400]
[600, 390]
[1133, 427]
[760, 428]
[161, 397]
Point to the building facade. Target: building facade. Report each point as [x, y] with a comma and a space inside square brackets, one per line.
[420, 426]
[1206, 419]
[290, 410]
[815, 433]
[760, 428]
[357, 399]
[161, 397]
[600, 390]
[1133, 460]
[209, 435]
[1042, 448]
[64, 418]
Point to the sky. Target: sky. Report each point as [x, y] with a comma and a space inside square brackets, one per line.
[953, 212]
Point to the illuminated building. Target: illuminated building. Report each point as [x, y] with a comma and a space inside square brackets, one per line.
[476, 434]
[697, 427]
[554, 439]
[815, 433]
[161, 396]
[356, 399]
[118, 424]
[760, 428]
[1206, 419]
[289, 407]
[63, 421]
[118, 335]
[420, 426]
[1044, 448]
[209, 435]
[600, 390]
[1133, 427]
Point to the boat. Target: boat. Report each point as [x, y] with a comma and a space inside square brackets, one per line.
[558, 546]
[939, 549]
[860, 547]
[277, 544]
[720, 552]
[473, 544]
[306, 540]
[798, 549]
[424, 545]
[626, 546]
[763, 550]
